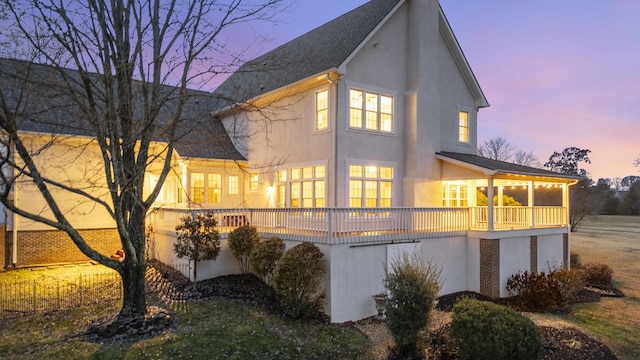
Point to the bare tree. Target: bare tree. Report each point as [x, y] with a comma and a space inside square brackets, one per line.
[525, 158]
[636, 162]
[497, 149]
[123, 54]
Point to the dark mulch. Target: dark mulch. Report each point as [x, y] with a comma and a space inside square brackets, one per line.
[558, 343]
[565, 343]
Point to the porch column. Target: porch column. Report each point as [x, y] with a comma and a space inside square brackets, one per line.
[531, 204]
[490, 204]
[565, 203]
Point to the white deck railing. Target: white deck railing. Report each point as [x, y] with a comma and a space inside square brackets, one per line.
[355, 226]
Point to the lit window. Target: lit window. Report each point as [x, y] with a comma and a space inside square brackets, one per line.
[370, 186]
[308, 193]
[253, 182]
[233, 185]
[376, 110]
[463, 121]
[281, 196]
[322, 110]
[213, 188]
[282, 175]
[197, 187]
[455, 194]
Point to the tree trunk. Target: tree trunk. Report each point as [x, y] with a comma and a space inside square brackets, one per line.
[134, 300]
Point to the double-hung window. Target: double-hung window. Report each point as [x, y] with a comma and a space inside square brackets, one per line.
[463, 126]
[370, 111]
[370, 186]
[322, 110]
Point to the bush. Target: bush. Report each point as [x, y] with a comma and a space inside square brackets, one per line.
[241, 242]
[488, 331]
[545, 291]
[197, 240]
[298, 277]
[574, 260]
[412, 286]
[598, 274]
[571, 282]
[535, 292]
[265, 256]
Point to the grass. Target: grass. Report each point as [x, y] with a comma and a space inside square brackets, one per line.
[615, 241]
[204, 330]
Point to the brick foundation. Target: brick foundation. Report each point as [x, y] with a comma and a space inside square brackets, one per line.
[533, 251]
[490, 267]
[52, 246]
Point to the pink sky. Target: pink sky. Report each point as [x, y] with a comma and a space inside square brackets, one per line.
[556, 73]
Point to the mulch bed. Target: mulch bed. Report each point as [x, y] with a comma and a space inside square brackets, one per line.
[558, 343]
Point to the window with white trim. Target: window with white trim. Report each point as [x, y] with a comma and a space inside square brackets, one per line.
[253, 182]
[463, 126]
[233, 185]
[370, 111]
[307, 187]
[322, 110]
[370, 186]
[205, 187]
[455, 194]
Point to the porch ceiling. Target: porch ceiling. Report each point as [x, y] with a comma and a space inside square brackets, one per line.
[502, 169]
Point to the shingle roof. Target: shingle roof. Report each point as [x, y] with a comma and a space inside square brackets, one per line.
[321, 49]
[503, 167]
[47, 107]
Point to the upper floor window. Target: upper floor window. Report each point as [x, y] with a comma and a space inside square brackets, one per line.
[370, 111]
[322, 110]
[463, 126]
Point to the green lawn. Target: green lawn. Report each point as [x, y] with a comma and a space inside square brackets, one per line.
[213, 329]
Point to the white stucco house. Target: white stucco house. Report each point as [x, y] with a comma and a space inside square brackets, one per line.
[360, 136]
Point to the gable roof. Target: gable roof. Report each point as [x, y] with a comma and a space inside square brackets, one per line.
[321, 49]
[46, 107]
[494, 167]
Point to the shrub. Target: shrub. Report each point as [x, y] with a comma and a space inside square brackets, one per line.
[536, 292]
[574, 260]
[598, 274]
[412, 286]
[298, 277]
[571, 282]
[488, 331]
[241, 242]
[265, 256]
[197, 239]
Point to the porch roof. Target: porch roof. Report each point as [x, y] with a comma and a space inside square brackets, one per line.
[492, 167]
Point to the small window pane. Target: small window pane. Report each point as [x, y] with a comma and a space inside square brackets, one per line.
[253, 182]
[214, 184]
[355, 193]
[295, 195]
[319, 193]
[307, 173]
[371, 172]
[386, 172]
[371, 193]
[319, 171]
[282, 176]
[355, 118]
[295, 174]
[355, 171]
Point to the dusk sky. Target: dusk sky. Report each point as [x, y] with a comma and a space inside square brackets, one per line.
[556, 73]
